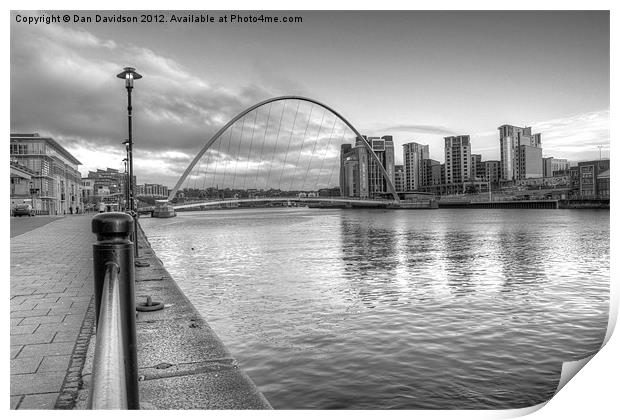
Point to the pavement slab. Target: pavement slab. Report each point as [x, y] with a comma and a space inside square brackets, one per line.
[51, 286]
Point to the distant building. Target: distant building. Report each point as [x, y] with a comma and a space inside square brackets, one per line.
[21, 185]
[492, 172]
[152, 190]
[458, 159]
[55, 179]
[399, 178]
[603, 185]
[88, 189]
[428, 176]
[589, 182]
[383, 147]
[413, 156]
[520, 153]
[354, 170]
[476, 167]
[551, 165]
[530, 162]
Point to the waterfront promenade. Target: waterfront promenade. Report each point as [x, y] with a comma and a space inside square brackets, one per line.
[51, 288]
[182, 362]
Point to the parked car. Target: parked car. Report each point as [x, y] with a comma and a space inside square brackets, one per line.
[23, 210]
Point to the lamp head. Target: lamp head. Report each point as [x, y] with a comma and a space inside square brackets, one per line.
[129, 74]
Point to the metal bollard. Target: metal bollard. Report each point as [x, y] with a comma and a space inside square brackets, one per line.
[114, 246]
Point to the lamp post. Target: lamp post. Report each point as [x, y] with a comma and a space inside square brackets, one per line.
[130, 74]
[126, 206]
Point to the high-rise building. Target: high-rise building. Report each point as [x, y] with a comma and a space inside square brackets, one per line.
[551, 164]
[520, 153]
[413, 155]
[492, 172]
[354, 170]
[56, 182]
[399, 178]
[458, 159]
[477, 169]
[383, 147]
[427, 177]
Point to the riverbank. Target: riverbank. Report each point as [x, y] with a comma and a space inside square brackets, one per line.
[182, 363]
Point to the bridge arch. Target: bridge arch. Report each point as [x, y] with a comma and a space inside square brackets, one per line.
[217, 135]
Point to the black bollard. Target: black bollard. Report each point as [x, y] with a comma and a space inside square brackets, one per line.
[114, 246]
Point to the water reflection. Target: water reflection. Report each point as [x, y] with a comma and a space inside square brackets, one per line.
[396, 309]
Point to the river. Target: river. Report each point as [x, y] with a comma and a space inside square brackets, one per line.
[396, 309]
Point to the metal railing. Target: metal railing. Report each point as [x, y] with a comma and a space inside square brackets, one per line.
[114, 383]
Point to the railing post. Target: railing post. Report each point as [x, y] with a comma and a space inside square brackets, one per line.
[113, 245]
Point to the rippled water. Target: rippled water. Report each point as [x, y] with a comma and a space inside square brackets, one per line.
[368, 309]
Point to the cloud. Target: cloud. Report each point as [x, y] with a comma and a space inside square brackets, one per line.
[576, 137]
[419, 128]
[63, 84]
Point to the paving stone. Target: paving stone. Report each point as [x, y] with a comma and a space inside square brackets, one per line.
[52, 349]
[50, 319]
[25, 365]
[15, 401]
[15, 351]
[54, 364]
[36, 383]
[53, 305]
[39, 402]
[34, 338]
[29, 314]
[23, 329]
[67, 335]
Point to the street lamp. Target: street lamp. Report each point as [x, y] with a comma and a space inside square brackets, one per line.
[126, 184]
[130, 74]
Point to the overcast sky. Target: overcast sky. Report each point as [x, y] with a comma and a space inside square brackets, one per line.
[418, 76]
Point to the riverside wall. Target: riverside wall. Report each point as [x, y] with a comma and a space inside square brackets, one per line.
[182, 363]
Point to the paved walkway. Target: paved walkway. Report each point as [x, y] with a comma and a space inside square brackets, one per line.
[51, 288]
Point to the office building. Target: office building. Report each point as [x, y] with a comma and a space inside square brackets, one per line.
[152, 190]
[383, 147]
[589, 182]
[477, 168]
[399, 178]
[54, 178]
[354, 170]
[520, 153]
[492, 172]
[551, 164]
[428, 176]
[457, 159]
[413, 155]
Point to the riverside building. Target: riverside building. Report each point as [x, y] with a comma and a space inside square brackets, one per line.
[413, 157]
[55, 179]
[354, 170]
[383, 147]
[458, 159]
[520, 153]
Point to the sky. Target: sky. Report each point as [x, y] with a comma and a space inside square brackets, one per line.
[419, 76]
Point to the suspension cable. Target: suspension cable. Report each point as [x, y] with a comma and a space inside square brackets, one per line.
[313, 149]
[325, 154]
[247, 166]
[288, 145]
[344, 131]
[263, 145]
[303, 140]
[227, 156]
[238, 151]
[275, 146]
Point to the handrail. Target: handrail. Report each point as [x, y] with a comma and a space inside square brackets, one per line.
[109, 390]
[115, 368]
